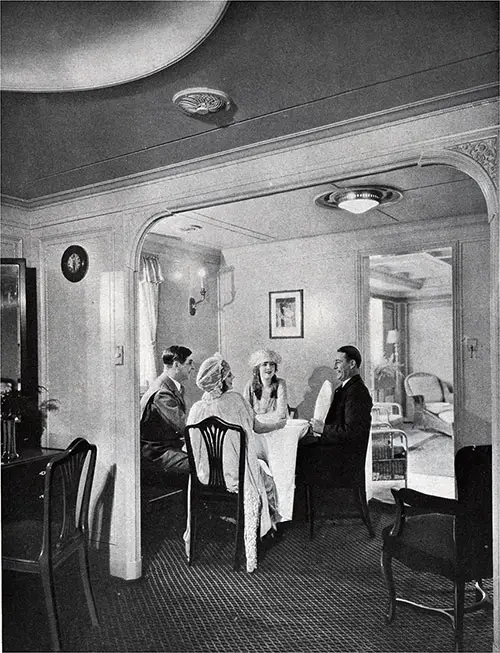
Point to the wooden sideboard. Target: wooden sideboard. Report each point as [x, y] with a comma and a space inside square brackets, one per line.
[23, 484]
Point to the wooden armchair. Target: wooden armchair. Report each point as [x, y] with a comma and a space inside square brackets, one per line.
[452, 538]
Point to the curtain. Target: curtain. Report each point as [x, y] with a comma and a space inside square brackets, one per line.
[150, 277]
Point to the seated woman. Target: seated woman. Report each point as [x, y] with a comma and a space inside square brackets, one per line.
[266, 393]
[219, 400]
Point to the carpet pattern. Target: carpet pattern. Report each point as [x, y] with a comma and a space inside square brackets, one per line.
[322, 595]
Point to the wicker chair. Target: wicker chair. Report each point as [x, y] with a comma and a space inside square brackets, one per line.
[433, 409]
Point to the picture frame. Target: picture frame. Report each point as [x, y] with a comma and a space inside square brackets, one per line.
[286, 314]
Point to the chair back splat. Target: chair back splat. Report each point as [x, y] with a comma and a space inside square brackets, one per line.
[34, 546]
[207, 483]
[446, 537]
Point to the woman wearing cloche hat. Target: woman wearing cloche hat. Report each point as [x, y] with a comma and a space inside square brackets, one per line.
[266, 392]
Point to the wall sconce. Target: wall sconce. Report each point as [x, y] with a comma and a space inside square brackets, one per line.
[203, 292]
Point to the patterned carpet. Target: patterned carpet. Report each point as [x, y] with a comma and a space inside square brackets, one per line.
[322, 595]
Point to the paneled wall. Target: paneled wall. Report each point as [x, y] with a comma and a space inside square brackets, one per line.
[474, 405]
[80, 326]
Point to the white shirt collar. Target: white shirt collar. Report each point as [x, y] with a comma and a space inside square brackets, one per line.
[177, 384]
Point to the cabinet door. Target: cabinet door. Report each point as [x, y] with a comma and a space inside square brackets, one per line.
[22, 490]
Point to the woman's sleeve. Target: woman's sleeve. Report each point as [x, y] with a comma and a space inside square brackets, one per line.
[191, 418]
[247, 393]
[282, 401]
[246, 412]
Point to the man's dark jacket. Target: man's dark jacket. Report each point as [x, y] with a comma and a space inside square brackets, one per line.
[349, 419]
[340, 452]
[163, 418]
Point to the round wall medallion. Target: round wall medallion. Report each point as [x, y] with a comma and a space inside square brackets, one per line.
[74, 263]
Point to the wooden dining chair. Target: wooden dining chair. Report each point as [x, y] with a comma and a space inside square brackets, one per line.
[39, 546]
[329, 468]
[213, 432]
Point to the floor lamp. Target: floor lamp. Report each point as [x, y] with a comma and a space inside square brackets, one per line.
[393, 338]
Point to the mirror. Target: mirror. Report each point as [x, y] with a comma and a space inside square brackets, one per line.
[13, 316]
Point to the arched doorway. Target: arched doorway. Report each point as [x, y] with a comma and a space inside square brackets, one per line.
[403, 155]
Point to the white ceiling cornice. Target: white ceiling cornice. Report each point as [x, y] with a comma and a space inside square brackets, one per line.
[399, 115]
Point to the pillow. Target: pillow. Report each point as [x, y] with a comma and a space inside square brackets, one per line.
[322, 406]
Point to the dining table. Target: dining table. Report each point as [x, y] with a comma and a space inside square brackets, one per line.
[279, 450]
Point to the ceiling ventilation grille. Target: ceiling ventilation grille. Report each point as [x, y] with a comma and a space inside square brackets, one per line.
[201, 101]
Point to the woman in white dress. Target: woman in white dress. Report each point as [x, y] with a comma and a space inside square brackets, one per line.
[266, 392]
[219, 400]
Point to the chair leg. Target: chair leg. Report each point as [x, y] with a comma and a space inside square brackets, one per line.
[50, 603]
[87, 587]
[310, 510]
[386, 564]
[193, 521]
[239, 538]
[458, 621]
[360, 494]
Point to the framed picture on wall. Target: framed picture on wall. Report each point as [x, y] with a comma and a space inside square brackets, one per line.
[286, 314]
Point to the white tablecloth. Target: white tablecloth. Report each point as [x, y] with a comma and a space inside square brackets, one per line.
[279, 450]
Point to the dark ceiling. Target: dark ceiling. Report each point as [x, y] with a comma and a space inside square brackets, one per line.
[288, 67]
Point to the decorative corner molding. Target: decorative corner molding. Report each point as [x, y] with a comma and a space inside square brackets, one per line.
[485, 153]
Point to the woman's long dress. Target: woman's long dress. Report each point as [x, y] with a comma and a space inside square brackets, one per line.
[259, 493]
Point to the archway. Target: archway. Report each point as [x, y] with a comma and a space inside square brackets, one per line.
[217, 190]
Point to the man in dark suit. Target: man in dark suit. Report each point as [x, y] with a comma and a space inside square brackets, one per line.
[163, 419]
[349, 418]
[334, 454]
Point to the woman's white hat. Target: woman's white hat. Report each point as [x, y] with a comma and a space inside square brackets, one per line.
[213, 371]
[264, 356]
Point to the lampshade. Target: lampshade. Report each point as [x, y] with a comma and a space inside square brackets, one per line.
[358, 200]
[393, 337]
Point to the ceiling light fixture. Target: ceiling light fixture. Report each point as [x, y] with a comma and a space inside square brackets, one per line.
[359, 199]
[201, 101]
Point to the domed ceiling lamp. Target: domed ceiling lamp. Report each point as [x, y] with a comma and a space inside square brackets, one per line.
[359, 199]
[201, 101]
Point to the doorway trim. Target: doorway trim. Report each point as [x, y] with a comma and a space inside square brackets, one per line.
[364, 296]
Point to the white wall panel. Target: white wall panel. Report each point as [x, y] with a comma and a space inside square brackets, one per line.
[475, 404]
[430, 327]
